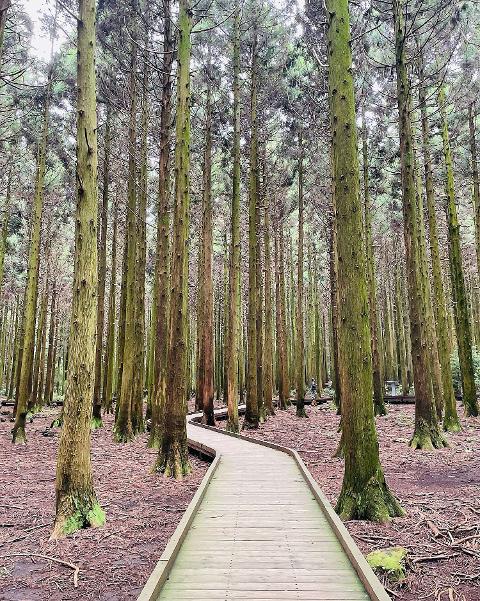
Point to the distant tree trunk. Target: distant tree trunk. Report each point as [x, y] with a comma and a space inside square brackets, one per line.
[124, 429]
[109, 356]
[163, 237]
[475, 181]
[233, 338]
[173, 453]
[15, 350]
[283, 385]
[365, 494]
[333, 263]
[47, 397]
[259, 282]
[377, 364]
[427, 434]
[402, 347]
[121, 321]
[300, 336]
[76, 501]
[268, 346]
[39, 363]
[138, 423]
[206, 352]
[4, 229]
[102, 274]
[460, 301]
[31, 292]
[251, 413]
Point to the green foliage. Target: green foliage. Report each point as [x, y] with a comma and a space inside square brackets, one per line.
[389, 561]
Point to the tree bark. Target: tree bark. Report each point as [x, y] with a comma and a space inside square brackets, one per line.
[76, 501]
[173, 453]
[102, 269]
[427, 434]
[460, 301]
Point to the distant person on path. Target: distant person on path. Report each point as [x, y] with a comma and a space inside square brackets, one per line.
[313, 389]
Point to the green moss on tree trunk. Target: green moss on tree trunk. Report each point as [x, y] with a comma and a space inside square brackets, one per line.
[364, 494]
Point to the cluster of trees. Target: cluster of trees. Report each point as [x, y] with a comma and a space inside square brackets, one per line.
[322, 131]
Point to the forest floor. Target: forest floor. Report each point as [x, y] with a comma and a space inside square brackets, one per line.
[438, 489]
[115, 561]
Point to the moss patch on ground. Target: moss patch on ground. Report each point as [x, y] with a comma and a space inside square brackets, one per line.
[389, 561]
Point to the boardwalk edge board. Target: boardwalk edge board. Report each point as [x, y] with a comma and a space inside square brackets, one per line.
[160, 573]
[372, 584]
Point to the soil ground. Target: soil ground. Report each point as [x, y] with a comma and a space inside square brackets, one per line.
[438, 489]
[115, 561]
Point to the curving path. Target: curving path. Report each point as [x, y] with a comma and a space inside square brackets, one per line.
[259, 528]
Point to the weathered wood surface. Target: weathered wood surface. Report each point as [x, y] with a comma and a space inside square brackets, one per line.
[260, 532]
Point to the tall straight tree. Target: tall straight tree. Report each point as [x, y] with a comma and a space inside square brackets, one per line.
[233, 331]
[124, 427]
[31, 291]
[161, 298]
[475, 181]
[459, 293]
[109, 356]
[205, 358]
[427, 434]
[450, 419]
[365, 494]
[102, 272]
[377, 363]
[268, 345]
[300, 337]
[76, 502]
[251, 413]
[173, 452]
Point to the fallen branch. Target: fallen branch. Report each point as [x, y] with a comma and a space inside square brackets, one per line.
[434, 557]
[74, 567]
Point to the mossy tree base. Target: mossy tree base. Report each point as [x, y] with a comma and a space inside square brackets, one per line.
[427, 442]
[18, 434]
[173, 461]
[75, 513]
[123, 434]
[427, 437]
[374, 502]
[380, 409]
[451, 424]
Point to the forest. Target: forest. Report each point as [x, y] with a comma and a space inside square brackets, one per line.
[239, 300]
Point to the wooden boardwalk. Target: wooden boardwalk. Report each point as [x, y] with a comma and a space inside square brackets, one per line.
[259, 532]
